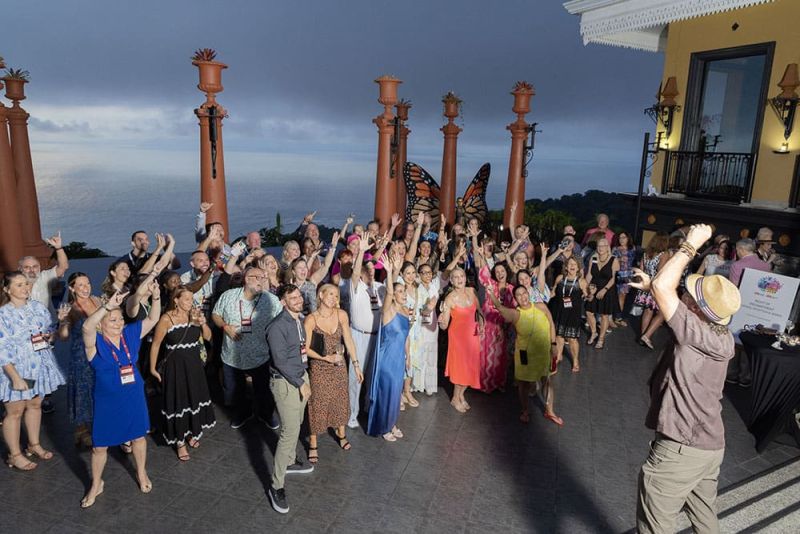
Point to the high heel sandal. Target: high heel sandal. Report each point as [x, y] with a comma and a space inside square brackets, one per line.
[411, 400]
[86, 502]
[600, 344]
[30, 466]
[344, 444]
[644, 340]
[592, 339]
[396, 432]
[183, 456]
[44, 455]
[554, 418]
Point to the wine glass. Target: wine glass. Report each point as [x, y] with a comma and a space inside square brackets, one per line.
[340, 353]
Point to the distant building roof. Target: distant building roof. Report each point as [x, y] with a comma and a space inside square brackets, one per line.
[642, 24]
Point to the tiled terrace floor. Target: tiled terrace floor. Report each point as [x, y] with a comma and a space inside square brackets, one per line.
[479, 472]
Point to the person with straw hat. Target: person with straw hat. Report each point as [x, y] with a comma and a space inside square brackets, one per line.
[686, 388]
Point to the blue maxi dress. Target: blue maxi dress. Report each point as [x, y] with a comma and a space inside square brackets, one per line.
[386, 374]
[120, 411]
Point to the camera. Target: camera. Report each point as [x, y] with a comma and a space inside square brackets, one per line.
[564, 244]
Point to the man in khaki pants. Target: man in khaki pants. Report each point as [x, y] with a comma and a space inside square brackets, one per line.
[290, 387]
[685, 391]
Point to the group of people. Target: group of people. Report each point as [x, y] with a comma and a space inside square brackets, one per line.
[344, 333]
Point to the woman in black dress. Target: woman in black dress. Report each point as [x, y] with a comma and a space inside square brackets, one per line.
[566, 307]
[186, 410]
[602, 300]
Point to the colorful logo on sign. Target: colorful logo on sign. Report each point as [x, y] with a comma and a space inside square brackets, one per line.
[769, 285]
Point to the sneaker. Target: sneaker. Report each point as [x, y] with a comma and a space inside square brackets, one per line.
[273, 422]
[353, 423]
[239, 423]
[297, 468]
[277, 498]
[47, 406]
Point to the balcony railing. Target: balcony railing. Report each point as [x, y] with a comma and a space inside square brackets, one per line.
[723, 176]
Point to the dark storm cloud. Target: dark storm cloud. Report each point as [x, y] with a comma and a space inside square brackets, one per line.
[301, 72]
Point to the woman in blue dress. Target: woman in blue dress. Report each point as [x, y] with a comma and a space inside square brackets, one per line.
[390, 363]
[120, 408]
[29, 369]
[80, 375]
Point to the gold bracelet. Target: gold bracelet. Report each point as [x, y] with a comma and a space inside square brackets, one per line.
[689, 248]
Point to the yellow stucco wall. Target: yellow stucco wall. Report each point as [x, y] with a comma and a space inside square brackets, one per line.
[778, 21]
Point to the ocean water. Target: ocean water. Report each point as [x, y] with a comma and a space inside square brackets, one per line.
[104, 210]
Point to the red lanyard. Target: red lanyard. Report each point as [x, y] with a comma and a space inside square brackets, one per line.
[124, 346]
[252, 310]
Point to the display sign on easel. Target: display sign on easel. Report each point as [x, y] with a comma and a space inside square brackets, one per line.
[767, 299]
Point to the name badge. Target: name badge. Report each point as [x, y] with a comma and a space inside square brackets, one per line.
[303, 354]
[567, 302]
[247, 326]
[205, 305]
[126, 375]
[373, 301]
[39, 342]
[427, 318]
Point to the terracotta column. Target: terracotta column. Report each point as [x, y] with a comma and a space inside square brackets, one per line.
[447, 201]
[11, 248]
[402, 114]
[27, 200]
[212, 163]
[385, 189]
[515, 188]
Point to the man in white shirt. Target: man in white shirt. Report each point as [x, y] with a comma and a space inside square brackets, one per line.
[42, 283]
[366, 301]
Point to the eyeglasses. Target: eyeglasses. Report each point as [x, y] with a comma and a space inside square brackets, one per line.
[254, 277]
[425, 272]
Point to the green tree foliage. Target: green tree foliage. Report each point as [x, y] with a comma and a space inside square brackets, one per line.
[78, 249]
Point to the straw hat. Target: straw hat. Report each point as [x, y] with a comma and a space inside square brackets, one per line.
[716, 296]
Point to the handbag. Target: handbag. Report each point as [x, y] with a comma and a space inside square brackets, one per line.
[163, 362]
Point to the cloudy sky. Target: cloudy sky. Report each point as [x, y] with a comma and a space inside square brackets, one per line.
[113, 89]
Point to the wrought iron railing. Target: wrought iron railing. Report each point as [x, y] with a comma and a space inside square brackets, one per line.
[724, 176]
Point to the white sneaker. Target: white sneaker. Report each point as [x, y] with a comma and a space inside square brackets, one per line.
[353, 423]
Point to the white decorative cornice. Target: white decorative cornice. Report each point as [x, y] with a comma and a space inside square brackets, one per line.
[640, 24]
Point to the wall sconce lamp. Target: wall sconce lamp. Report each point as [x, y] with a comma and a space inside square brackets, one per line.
[530, 145]
[665, 107]
[785, 104]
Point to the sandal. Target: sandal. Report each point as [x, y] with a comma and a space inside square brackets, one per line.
[87, 502]
[389, 437]
[183, 456]
[644, 340]
[458, 406]
[402, 405]
[145, 487]
[194, 443]
[396, 432]
[12, 463]
[592, 339]
[576, 368]
[411, 400]
[600, 344]
[343, 443]
[42, 453]
[126, 447]
[554, 418]
[313, 456]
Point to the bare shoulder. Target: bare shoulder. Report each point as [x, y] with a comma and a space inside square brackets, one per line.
[343, 318]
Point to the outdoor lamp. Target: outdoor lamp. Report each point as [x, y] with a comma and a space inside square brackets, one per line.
[785, 104]
[665, 107]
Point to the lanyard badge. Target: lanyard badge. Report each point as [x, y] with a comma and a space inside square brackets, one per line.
[303, 353]
[126, 374]
[39, 342]
[246, 323]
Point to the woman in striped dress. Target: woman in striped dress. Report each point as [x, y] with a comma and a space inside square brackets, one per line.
[186, 410]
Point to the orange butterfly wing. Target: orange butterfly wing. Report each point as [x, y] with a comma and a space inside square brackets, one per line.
[422, 192]
[475, 196]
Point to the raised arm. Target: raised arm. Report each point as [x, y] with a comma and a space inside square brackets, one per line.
[155, 308]
[664, 285]
[510, 315]
[62, 262]
[358, 263]
[132, 304]
[347, 222]
[411, 253]
[89, 328]
[322, 272]
[511, 226]
[540, 273]
[151, 261]
[200, 222]
[477, 252]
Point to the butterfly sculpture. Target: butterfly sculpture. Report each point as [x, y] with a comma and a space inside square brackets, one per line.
[423, 193]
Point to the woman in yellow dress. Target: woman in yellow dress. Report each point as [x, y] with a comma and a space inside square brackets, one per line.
[534, 350]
